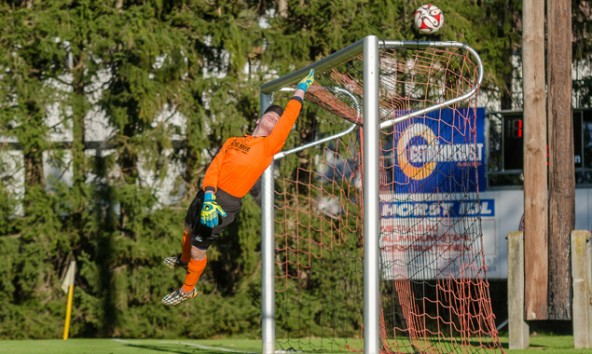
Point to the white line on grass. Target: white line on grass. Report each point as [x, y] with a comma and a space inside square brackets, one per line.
[207, 347]
[200, 346]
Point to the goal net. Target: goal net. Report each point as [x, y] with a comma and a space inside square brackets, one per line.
[433, 291]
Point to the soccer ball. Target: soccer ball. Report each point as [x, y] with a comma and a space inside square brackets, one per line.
[429, 18]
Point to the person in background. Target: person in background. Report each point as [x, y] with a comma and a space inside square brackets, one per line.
[231, 174]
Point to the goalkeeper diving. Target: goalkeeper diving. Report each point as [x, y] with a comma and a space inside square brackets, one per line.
[232, 173]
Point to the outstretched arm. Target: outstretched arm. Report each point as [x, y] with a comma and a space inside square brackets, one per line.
[280, 132]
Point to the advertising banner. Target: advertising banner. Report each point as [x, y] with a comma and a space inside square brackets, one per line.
[443, 152]
[430, 217]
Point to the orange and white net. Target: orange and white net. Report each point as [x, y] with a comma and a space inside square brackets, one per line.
[434, 291]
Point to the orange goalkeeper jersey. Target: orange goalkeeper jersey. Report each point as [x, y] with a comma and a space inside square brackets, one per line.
[242, 160]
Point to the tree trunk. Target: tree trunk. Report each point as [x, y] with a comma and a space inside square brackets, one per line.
[78, 114]
[283, 8]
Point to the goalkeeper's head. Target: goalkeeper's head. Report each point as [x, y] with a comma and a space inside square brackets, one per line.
[274, 108]
[268, 120]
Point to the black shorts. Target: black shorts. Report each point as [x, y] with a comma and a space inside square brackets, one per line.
[201, 235]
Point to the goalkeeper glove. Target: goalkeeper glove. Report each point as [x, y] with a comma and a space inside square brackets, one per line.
[306, 82]
[210, 210]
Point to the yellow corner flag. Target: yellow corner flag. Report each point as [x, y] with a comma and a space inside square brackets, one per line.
[68, 287]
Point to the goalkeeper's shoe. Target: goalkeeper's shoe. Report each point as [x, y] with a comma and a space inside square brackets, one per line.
[178, 296]
[174, 261]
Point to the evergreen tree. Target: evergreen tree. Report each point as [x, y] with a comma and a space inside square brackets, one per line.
[141, 63]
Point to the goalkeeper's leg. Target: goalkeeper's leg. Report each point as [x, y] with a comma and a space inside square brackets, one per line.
[192, 225]
[182, 259]
[196, 240]
[195, 268]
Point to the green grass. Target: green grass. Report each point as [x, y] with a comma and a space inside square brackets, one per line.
[560, 344]
[539, 343]
[129, 346]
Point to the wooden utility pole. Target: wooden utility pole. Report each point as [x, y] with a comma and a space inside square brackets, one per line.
[535, 161]
[561, 157]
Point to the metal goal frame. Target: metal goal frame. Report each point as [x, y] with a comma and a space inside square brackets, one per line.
[369, 47]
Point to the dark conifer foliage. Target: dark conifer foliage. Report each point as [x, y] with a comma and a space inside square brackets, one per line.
[139, 65]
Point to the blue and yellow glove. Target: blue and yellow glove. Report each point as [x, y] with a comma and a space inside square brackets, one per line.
[306, 82]
[210, 210]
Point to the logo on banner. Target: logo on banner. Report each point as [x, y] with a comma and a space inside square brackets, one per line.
[419, 152]
[415, 167]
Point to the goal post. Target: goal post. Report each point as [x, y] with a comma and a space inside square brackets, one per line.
[371, 198]
[335, 180]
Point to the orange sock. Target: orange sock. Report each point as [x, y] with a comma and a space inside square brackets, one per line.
[194, 270]
[186, 249]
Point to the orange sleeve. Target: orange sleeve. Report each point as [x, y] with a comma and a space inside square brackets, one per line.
[276, 140]
[210, 181]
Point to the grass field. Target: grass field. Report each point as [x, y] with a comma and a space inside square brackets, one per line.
[538, 344]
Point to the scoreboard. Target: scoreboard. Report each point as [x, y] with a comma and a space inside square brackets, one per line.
[513, 139]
